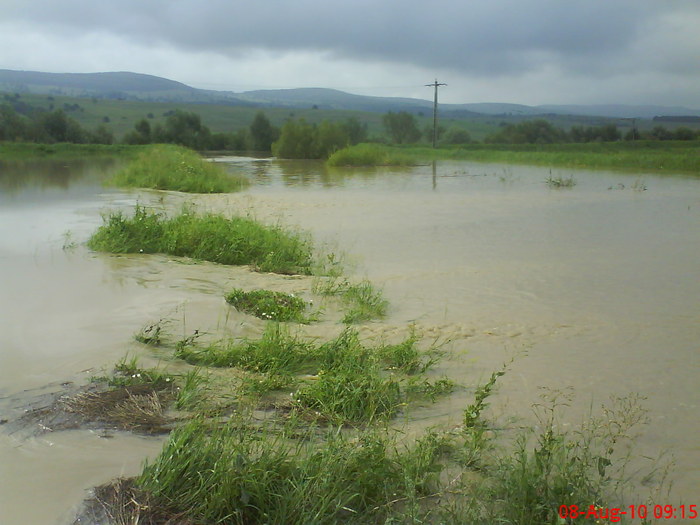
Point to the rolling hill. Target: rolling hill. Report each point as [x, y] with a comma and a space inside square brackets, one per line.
[140, 87]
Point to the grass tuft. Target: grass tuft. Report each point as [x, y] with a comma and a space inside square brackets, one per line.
[170, 167]
[208, 237]
[269, 305]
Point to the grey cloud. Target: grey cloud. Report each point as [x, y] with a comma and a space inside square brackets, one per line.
[483, 37]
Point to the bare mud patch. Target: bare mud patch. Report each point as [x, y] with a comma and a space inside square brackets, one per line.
[140, 409]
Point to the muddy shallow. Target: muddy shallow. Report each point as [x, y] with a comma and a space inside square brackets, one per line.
[594, 287]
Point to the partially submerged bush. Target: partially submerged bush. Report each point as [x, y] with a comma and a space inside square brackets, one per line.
[169, 167]
[269, 305]
[207, 237]
[369, 155]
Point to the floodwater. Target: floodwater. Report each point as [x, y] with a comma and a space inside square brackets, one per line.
[595, 287]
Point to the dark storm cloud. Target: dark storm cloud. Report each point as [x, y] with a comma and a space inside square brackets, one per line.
[483, 37]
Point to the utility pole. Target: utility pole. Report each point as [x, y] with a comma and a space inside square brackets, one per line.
[435, 119]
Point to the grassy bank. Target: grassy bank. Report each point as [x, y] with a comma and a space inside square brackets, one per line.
[169, 167]
[208, 237]
[21, 151]
[647, 156]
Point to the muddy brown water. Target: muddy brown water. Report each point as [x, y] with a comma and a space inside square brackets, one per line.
[596, 287]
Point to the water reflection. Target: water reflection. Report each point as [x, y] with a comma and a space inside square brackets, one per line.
[303, 173]
[25, 175]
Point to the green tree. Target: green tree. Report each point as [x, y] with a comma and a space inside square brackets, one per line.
[401, 127]
[456, 135]
[329, 138]
[101, 135]
[12, 125]
[357, 132]
[537, 131]
[262, 133]
[141, 133]
[684, 133]
[660, 133]
[184, 128]
[296, 140]
[56, 126]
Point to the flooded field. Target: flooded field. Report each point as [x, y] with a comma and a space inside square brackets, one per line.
[593, 287]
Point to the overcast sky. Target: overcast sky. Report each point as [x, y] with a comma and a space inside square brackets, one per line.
[519, 51]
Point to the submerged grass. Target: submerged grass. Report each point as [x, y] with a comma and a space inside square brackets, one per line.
[208, 237]
[170, 167]
[560, 182]
[362, 300]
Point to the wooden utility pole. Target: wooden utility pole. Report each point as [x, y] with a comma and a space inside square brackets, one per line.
[435, 118]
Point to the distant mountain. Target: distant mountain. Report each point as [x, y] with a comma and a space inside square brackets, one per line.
[620, 110]
[324, 98]
[136, 86]
[114, 85]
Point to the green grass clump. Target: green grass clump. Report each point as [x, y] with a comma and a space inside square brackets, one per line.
[351, 384]
[345, 382]
[269, 305]
[169, 167]
[208, 237]
[277, 351]
[232, 475]
[369, 155]
[128, 373]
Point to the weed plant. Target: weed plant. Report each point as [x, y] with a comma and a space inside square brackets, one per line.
[150, 334]
[369, 155]
[169, 167]
[560, 182]
[362, 300]
[235, 241]
[269, 305]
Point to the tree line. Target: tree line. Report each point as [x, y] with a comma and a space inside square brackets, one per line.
[47, 127]
[297, 138]
[540, 131]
